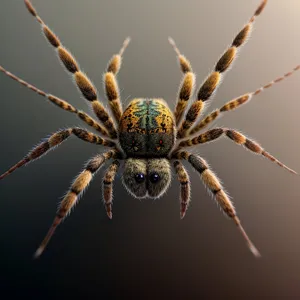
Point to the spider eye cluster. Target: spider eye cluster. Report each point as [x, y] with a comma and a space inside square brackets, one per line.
[147, 177]
[140, 177]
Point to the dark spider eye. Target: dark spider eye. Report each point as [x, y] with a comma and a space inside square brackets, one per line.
[139, 178]
[154, 178]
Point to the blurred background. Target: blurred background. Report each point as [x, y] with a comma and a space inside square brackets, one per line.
[146, 251]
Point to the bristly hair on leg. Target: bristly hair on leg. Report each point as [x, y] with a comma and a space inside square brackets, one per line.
[236, 103]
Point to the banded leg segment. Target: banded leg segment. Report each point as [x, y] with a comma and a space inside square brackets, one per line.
[211, 181]
[56, 139]
[111, 84]
[213, 81]
[185, 187]
[233, 104]
[235, 136]
[60, 103]
[72, 196]
[108, 180]
[186, 86]
[83, 82]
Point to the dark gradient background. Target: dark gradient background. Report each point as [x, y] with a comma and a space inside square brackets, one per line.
[146, 251]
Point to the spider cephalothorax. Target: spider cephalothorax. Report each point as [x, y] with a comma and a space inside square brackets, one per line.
[147, 135]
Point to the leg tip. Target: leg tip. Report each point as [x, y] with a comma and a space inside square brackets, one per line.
[30, 7]
[38, 253]
[109, 214]
[127, 40]
[171, 41]
[255, 252]
[173, 44]
[125, 44]
[182, 214]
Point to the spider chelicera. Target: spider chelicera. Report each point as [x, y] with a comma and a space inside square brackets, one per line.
[148, 136]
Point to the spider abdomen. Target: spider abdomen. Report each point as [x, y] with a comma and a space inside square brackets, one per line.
[147, 128]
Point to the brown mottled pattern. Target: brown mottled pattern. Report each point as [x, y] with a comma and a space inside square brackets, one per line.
[205, 121]
[212, 183]
[51, 37]
[147, 128]
[92, 138]
[113, 95]
[90, 121]
[115, 64]
[185, 189]
[185, 93]
[185, 64]
[85, 86]
[226, 60]
[104, 117]
[111, 83]
[68, 60]
[38, 151]
[187, 85]
[108, 186]
[30, 8]
[130, 122]
[204, 94]
[205, 137]
[59, 137]
[252, 146]
[209, 86]
[111, 87]
[242, 36]
[261, 7]
[165, 119]
[236, 136]
[61, 103]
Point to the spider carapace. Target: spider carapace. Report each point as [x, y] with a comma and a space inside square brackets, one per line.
[147, 136]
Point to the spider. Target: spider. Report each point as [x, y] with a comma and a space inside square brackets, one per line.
[148, 136]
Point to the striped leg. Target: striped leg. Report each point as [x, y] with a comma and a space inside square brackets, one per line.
[187, 84]
[73, 195]
[111, 84]
[108, 180]
[213, 184]
[55, 140]
[185, 187]
[60, 103]
[233, 104]
[235, 136]
[213, 81]
[83, 82]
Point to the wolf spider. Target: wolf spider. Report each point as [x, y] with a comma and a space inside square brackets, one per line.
[147, 135]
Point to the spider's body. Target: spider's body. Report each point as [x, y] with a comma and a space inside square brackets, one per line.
[147, 129]
[147, 136]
